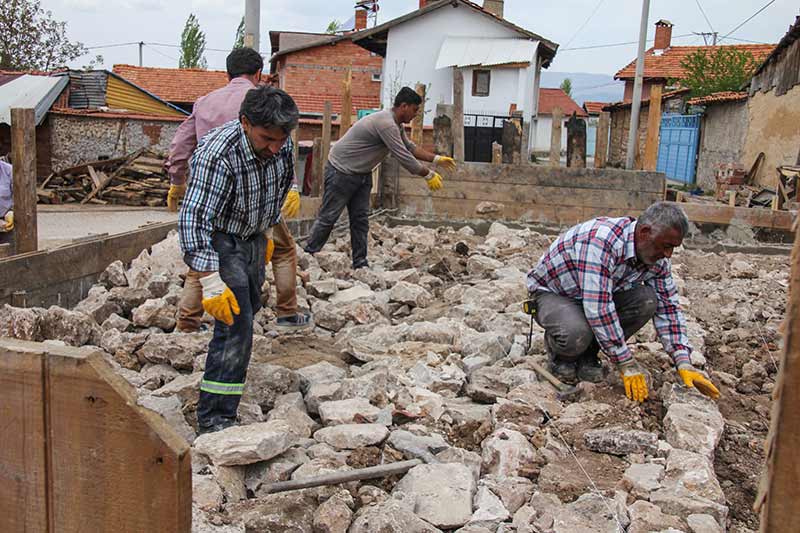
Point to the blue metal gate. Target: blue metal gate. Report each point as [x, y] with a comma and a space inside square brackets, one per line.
[677, 146]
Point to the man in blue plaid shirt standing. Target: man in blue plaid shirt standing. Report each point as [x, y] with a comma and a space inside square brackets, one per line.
[601, 282]
[241, 175]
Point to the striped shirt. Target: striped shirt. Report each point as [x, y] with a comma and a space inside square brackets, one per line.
[233, 191]
[595, 259]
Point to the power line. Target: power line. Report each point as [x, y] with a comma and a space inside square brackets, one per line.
[704, 15]
[159, 52]
[592, 47]
[585, 22]
[109, 45]
[746, 41]
[748, 19]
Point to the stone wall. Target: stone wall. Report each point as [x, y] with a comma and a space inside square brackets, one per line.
[77, 139]
[722, 136]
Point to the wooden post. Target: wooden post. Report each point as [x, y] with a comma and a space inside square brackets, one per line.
[458, 114]
[653, 127]
[601, 143]
[416, 124]
[443, 130]
[326, 131]
[576, 142]
[497, 153]
[346, 117]
[317, 165]
[512, 142]
[23, 157]
[555, 138]
[777, 494]
[296, 150]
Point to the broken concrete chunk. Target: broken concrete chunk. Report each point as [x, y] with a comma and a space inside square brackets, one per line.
[320, 393]
[97, 305]
[352, 436]
[593, 512]
[128, 298]
[348, 411]
[114, 321]
[322, 372]
[69, 326]
[333, 261]
[694, 428]
[508, 453]
[416, 446]
[442, 493]
[513, 491]
[410, 294]
[641, 479]
[703, 523]
[301, 424]
[390, 515]
[155, 312]
[335, 514]
[489, 509]
[323, 288]
[286, 512]
[621, 441]
[266, 382]
[176, 349]
[242, 445]
[646, 517]
[114, 275]
[482, 266]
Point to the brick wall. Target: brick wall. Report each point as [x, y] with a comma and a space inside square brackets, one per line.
[320, 71]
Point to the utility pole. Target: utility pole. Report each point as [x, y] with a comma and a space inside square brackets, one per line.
[141, 46]
[252, 23]
[636, 103]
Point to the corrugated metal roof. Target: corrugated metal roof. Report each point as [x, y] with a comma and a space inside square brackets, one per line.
[469, 51]
[87, 89]
[37, 92]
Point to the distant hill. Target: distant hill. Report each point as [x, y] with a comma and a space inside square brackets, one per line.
[585, 86]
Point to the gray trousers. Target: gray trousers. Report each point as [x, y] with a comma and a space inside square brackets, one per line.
[567, 333]
[343, 190]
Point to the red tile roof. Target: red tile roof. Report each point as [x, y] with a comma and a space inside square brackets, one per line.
[594, 108]
[184, 85]
[716, 98]
[646, 101]
[549, 99]
[311, 103]
[115, 113]
[667, 64]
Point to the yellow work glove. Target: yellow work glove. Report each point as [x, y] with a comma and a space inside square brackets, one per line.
[434, 181]
[693, 378]
[270, 246]
[218, 300]
[445, 163]
[292, 204]
[634, 381]
[9, 218]
[175, 195]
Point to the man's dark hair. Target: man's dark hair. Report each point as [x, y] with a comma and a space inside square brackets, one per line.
[269, 107]
[243, 61]
[407, 95]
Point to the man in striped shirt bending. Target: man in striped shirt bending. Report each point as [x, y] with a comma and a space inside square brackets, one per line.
[601, 282]
[241, 175]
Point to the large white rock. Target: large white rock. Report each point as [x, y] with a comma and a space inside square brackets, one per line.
[170, 409]
[703, 523]
[489, 509]
[410, 294]
[348, 411]
[593, 513]
[646, 517]
[242, 445]
[507, 453]
[690, 427]
[642, 479]
[416, 446]
[389, 516]
[352, 294]
[155, 312]
[352, 436]
[335, 514]
[621, 441]
[482, 266]
[322, 372]
[441, 493]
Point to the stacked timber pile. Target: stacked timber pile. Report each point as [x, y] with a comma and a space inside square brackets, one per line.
[136, 179]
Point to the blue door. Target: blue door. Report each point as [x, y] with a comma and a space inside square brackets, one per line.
[677, 146]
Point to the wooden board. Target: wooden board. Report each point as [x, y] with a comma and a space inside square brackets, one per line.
[653, 129]
[110, 465]
[345, 119]
[751, 216]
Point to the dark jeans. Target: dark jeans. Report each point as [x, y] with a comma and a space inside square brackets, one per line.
[343, 190]
[567, 333]
[241, 267]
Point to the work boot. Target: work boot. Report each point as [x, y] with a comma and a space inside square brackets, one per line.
[219, 426]
[565, 371]
[590, 369]
[296, 322]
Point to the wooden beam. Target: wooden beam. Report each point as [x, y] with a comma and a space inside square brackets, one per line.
[555, 137]
[416, 124]
[497, 153]
[296, 152]
[601, 143]
[443, 130]
[777, 498]
[653, 129]
[327, 118]
[512, 142]
[317, 164]
[23, 157]
[751, 216]
[346, 117]
[458, 114]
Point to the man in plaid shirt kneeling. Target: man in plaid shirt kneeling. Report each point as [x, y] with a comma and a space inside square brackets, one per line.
[601, 282]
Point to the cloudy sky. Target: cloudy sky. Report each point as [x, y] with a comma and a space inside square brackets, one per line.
[571, 23]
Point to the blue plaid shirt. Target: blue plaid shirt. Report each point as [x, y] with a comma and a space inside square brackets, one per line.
[595, 259]
[233, 191]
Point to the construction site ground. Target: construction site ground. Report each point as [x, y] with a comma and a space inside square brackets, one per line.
[423, 355]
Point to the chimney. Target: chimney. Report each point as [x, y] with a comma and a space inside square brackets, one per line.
[361, 20]
[663, 35]
[495, 7]
[423, 3]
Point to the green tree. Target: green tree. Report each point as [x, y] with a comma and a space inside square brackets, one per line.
[239, 41]
[566, 86]
[726, 68]
[333, 26]
[31, 40]
[193, 44]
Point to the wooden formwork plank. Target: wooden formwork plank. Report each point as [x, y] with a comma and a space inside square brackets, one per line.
[750, 216]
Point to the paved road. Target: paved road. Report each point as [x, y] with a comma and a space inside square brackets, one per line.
[61, 224]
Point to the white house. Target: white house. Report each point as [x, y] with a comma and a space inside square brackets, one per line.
[501, 62]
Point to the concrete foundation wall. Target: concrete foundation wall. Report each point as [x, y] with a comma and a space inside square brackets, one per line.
[528, 193]
[775, 130]
[77, 139]
[722, 136]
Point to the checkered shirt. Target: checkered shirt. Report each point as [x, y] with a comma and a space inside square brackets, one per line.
[233, 191]
[597, 258]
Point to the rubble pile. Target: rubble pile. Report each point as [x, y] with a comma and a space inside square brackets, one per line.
[432, 365]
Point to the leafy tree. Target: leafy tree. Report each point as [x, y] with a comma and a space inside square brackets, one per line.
[193, 44]
[726, 68]
[239, 42]
[333, 26]
[566, 86]
[32, 40]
